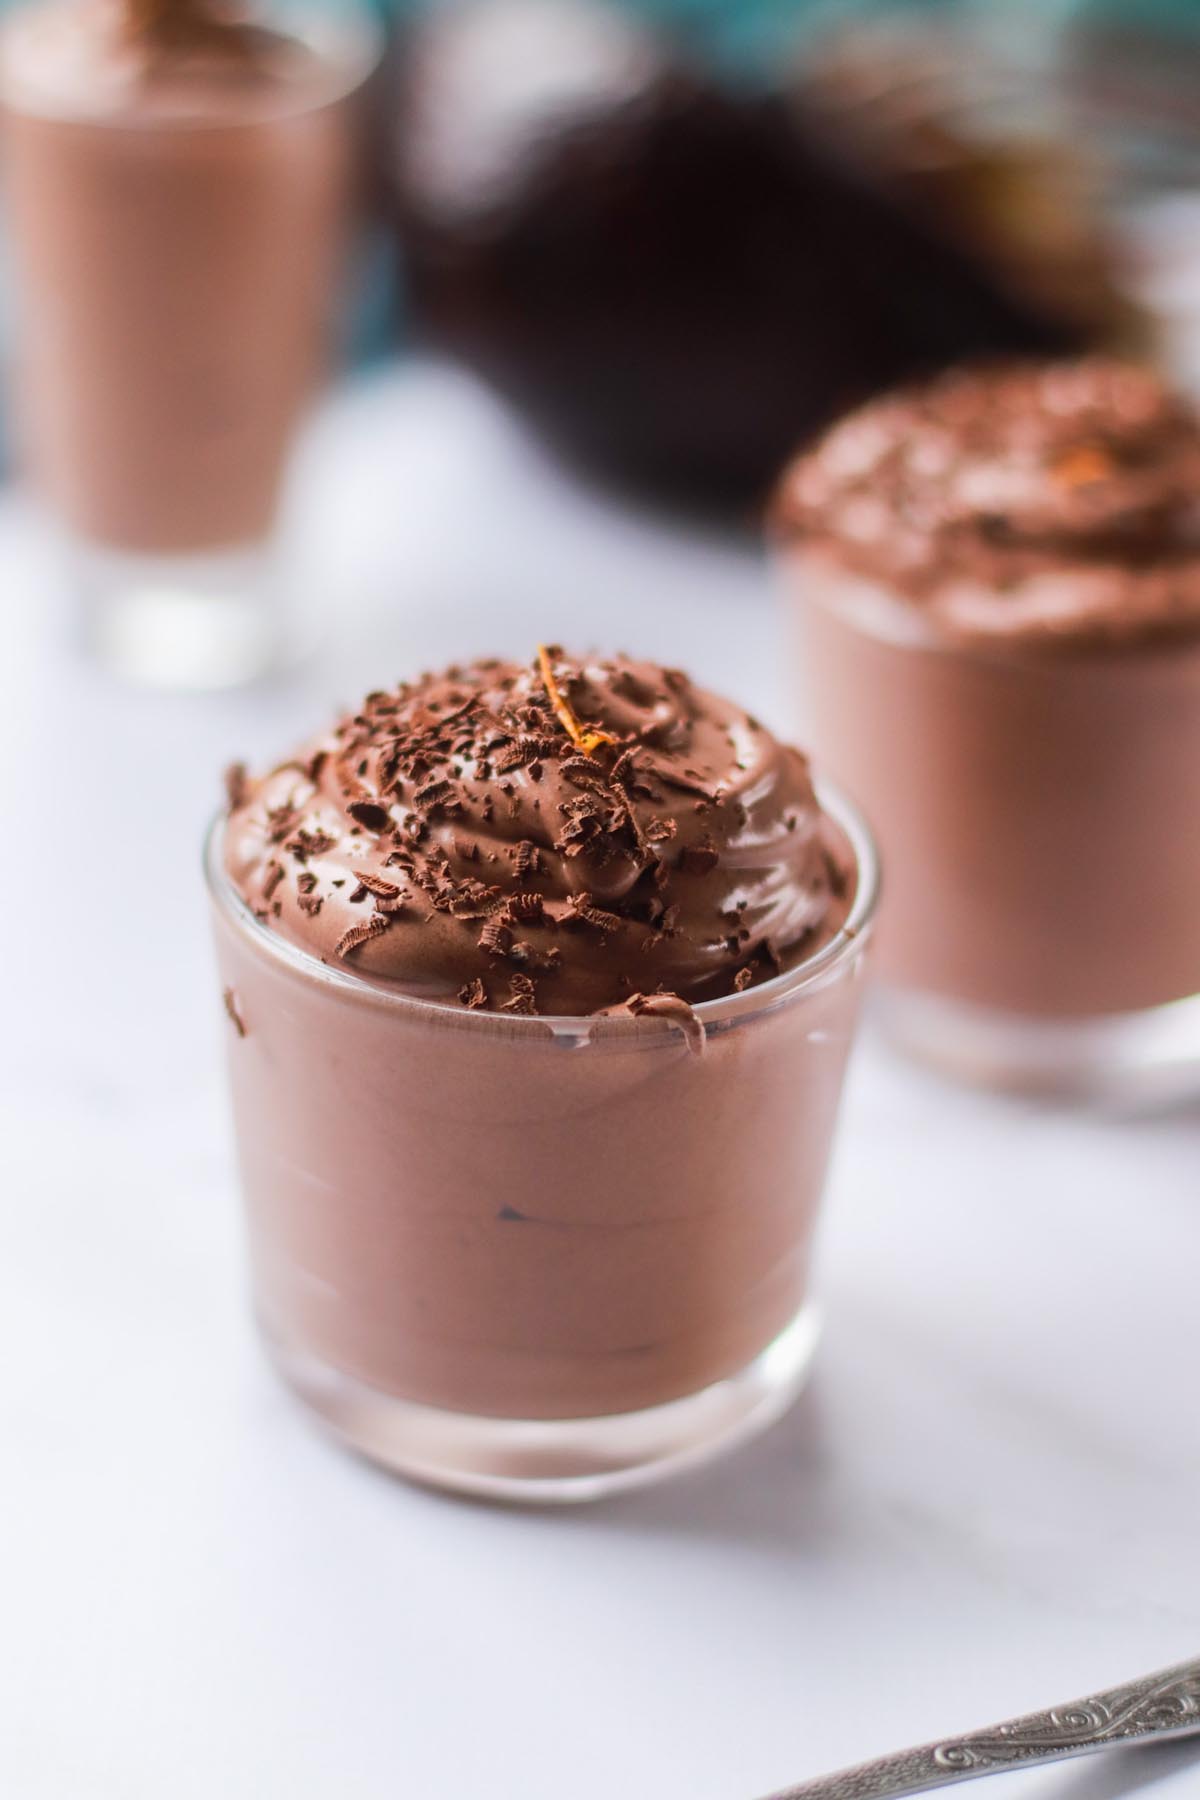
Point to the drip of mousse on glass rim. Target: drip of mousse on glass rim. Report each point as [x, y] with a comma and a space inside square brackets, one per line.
[180, 185]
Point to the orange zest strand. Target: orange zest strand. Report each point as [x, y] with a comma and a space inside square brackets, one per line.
[1083, 467]
[588, 742]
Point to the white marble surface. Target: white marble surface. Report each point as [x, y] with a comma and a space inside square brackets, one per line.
[988, 1500]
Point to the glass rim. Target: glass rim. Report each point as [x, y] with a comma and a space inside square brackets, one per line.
[354, 29]
[811, 974]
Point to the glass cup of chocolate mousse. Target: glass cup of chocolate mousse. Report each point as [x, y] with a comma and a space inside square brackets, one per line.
[180, 179]
[540, 984]
[997, 584]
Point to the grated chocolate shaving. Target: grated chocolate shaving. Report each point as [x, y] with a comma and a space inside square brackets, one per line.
[357, 935]
[309, 843]
[523, 998]
[528, 859]
[496, 939]
[375, 884]
[237, 786]
[370, 814]
[525, 909]
[583, 909]
[280, 820]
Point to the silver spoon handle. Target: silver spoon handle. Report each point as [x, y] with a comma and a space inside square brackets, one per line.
[1156, 1708]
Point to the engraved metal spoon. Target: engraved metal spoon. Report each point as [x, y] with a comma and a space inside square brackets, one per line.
[1152, 1710]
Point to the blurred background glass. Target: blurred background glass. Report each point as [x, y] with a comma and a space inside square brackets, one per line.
[184, 188]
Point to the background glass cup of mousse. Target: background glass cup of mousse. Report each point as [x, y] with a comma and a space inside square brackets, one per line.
[1022, 725]
[535, 1258]
[180, 182]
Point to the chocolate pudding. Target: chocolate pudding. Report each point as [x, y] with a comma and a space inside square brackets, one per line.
[178, 185]
[998, 578]
[540, 983]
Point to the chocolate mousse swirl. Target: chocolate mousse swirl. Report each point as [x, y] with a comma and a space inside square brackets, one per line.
[561, 837]
[1054, 502]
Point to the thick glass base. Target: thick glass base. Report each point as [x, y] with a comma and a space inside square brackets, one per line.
[198, 621]
[1137, 1060]
[543, 1462]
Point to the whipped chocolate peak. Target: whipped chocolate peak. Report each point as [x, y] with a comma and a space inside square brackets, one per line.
[1050, 501]
[559, 837]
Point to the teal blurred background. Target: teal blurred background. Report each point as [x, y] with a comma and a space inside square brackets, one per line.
[749, 33]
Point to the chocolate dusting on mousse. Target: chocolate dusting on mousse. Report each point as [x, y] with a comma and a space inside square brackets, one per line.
[568, 836]
[1051, 503]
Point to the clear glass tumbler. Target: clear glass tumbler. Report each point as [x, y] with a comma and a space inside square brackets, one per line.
[1039, 817]
[179, 231]
[535, 1259]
